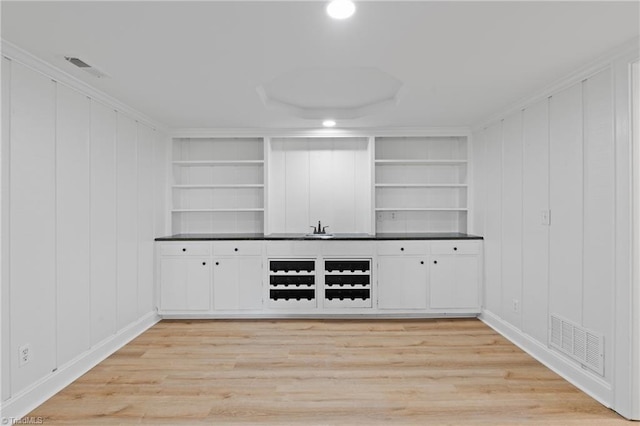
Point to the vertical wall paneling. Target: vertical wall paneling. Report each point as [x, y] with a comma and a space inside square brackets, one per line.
[297, 186]
[635, 185]
[103, 222]
[493, 218]
[32, 213]
[535, 233]
[276, 179]
[566, 202]
[319, 179]
[145, 219]
[5, 253]
[72, 224]
[322, 169]
[599, 207]
[160, 184]
[512, 218]
[479, 192]
[127, 218]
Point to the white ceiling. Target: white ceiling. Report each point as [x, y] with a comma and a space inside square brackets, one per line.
[198, 64]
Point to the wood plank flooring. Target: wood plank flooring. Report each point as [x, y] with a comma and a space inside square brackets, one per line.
[322, 372]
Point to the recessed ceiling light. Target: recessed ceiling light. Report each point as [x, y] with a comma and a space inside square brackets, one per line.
[329, 123]
[341, 9]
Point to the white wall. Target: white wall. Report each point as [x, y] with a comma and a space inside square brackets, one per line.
[83, 196]
[559, 154]
[319, 179]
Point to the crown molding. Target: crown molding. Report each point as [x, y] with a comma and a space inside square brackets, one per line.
[582, 73]
[319, 133]
[15, 53]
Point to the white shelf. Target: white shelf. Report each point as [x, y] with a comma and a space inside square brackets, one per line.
[421, 209]
[421, 185]
[219, 163]
[231, 185]
[217, 210]
[420, 162]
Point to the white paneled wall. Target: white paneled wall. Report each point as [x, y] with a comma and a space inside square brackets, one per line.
[511, 217]
[326, 179]
[80, 201]
[556, 154]
[103, 222]
[535, 235]
[32, 215]
[73, 185]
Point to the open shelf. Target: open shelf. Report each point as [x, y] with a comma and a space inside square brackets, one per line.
[218, 163]
[249, 209]
[230, 185]
[218, 185]
[421, 184]
[421, 162]
[421, 209]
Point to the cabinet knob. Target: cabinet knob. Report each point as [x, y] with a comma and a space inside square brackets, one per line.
[455, 248]
[435, 262]
[401, 248]
[184, 249]
[204, 263]
[217, 263]
[422, 262]
[235, 249]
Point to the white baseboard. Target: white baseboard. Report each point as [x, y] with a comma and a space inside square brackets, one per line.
[25, 401]
[568, 369]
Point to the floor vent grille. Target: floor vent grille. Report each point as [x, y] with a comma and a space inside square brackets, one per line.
[585, 346]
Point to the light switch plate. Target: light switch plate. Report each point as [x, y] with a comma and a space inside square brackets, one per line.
[545, 217]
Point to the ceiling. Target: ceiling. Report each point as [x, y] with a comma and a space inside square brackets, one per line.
[199, 64]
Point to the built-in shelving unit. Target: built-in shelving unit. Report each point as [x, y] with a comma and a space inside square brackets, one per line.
[218, 185]
[421, 184]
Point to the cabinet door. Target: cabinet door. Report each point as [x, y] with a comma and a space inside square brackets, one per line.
[453, 282]
[402, 282]
[237, 283]
[198, 284]
[184, 284]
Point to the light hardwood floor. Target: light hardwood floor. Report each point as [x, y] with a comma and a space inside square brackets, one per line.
[323, 372]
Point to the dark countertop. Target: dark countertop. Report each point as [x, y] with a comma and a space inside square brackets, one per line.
[337, 237]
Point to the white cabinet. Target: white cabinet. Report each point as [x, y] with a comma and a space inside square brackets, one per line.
[185, 276]
[237, 275]
[402, 282]
[454, 276]
[237, 283]
[185, 284]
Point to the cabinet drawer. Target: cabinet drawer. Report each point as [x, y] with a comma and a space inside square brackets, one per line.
[185, 249]
[455, 247]
[294, 248]
[403, 247]
[240, 248]
[348, 248]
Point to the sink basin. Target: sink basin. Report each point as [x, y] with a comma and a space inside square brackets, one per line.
[318, 236]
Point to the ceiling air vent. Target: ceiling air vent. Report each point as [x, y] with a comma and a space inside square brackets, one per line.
[85, 67]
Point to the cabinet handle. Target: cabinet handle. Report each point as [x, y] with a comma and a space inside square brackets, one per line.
[401, 248]
[422, 262]
[184, 249]
[435, 262]
[235, 249]
[217, 263]
[204, 263]
[455, 248]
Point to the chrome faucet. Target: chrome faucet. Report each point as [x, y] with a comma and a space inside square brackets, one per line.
[320, 230]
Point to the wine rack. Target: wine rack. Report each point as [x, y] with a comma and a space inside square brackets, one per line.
[292, 283]
[347, 283]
